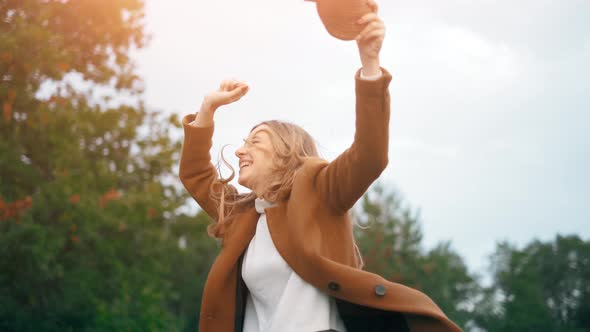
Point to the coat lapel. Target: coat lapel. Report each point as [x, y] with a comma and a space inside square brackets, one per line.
[240, 233]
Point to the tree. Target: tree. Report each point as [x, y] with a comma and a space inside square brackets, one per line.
[542, 287]
[89, 203]
[390, 239]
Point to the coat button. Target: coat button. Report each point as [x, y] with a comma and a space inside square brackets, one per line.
[380, 290]
[333, 286]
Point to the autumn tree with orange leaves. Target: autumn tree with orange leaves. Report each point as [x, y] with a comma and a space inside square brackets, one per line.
[89, 221]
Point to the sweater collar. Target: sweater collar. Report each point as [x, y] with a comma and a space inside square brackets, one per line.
[262, 204]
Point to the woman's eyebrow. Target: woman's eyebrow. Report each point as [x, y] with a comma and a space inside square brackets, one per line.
[249, 139]
[261, 131]
[255, 136]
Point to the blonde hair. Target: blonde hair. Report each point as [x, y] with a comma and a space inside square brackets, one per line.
[291, 145]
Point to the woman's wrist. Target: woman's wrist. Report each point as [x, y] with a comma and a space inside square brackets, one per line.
[371, 66]
[207, 107]
[205, 115]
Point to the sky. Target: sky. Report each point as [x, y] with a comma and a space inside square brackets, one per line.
[490, 101]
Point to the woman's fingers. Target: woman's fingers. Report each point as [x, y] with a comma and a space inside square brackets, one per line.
[237, 93]
[240, 85]
[229, 91]
[370, 39]
[235, 87]
[374, 34]
[229, 85]
[367, 18]
[370, 28]
[373, 5]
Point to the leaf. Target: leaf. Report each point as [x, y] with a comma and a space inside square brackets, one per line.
[6, 56]
[11, 95]
[110, 195]
[75, 199]
[7, 111]
[63, 66]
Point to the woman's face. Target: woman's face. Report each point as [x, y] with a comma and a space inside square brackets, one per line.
[256, 163]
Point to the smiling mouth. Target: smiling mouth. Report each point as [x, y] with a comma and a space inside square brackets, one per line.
[245, 164]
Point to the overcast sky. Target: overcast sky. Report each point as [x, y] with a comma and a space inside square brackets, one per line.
[490, 123]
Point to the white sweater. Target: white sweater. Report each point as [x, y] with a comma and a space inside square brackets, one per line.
[278, 299]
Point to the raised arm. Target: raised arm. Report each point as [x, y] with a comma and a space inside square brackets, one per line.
[196, 172]
[342, 182]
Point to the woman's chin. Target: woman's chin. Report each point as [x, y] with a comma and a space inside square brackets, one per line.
[242, 182]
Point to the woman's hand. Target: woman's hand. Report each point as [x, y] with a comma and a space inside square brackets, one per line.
[229, 92]
[370, 40]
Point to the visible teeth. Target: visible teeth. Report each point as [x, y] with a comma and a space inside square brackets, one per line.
[244, 164]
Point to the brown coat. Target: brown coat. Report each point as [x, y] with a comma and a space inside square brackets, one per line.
[312, 230]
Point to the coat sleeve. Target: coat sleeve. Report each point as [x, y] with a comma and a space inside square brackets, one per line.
[196, 171]
[343, 181]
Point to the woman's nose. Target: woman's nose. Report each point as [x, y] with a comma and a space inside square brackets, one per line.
[240, 151]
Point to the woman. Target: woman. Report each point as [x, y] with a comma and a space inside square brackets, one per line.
[289, 261]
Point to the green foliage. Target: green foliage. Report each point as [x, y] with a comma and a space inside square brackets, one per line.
[542, 287]
[390, 240]
[91, 237]
[44, 40]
